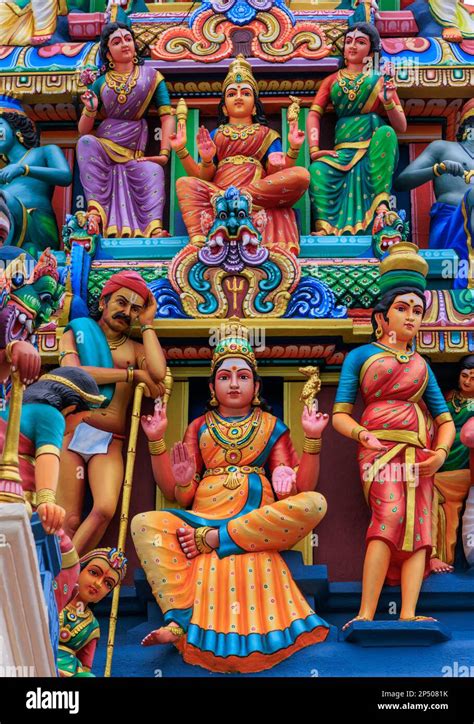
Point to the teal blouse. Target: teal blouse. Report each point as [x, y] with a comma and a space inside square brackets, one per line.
[42, 424]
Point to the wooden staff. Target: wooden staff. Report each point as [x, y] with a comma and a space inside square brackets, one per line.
[127, 492]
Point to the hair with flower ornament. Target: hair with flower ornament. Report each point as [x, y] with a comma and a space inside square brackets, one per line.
[113, 557]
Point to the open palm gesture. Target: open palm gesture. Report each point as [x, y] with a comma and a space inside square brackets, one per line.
[206, 146]
[183, 464]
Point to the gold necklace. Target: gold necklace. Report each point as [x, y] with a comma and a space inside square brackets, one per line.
[402, 357]
[68, 628]
[238, 132]
[459, 401]
[117, 343]
[231, 435]
[122, 83]
[348, 83]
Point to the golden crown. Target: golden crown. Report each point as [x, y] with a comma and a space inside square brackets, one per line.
[240, 71]
[234, 343]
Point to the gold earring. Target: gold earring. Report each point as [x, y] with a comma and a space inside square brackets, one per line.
[378, 332]
[111, 64]
[135, 59]
[256, 400]
[213, 401]
[20, 136]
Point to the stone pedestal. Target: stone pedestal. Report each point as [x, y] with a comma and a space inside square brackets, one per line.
[25, 648]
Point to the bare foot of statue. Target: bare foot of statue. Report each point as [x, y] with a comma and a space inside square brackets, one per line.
[418, 618]
[93, 223]
[158, 233]
[356, 618]
[165, 635]
[383, 206]
[438, 566]
[40, 39]
[195, 541]
[452, 35]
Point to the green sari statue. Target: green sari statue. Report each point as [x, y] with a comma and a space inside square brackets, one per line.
[350, 184]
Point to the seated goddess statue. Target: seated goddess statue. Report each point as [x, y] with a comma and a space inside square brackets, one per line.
[125, 191]
[243, 151]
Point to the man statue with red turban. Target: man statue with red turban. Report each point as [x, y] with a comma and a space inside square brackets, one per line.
[93, 450]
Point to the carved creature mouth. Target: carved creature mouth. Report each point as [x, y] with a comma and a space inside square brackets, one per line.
[245, 235]
[386, 243]
[22, 325]
[16, 324]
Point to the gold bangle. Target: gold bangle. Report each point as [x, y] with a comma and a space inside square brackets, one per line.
[313, 149]
[8, 350]
[157, 447]
[144, 327]
[182, 153]
[312, 445]
[446, 449]
[27, 169]
[200, 539]
[438, 169]
[355, 432]
[130, 371]
[89, 114]
[164, 152]
[389, 106]
[293, 152]
[207, 163]
[175, 630]
[45, 496]
[184, 487]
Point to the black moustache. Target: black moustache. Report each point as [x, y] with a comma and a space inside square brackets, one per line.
[119, 315]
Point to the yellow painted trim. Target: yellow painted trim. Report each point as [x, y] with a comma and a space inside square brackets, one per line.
[376, 466]
[408, 437]
[346, 407]
[368, 362]
[418, 395]
[47, 450]
[444, 417]
[410, 492]
[119, 153]
[151, 92]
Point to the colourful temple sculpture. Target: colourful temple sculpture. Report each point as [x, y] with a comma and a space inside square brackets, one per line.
[219, 221]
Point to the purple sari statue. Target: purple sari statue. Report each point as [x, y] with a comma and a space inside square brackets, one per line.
[127, 194]
[124, 190]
